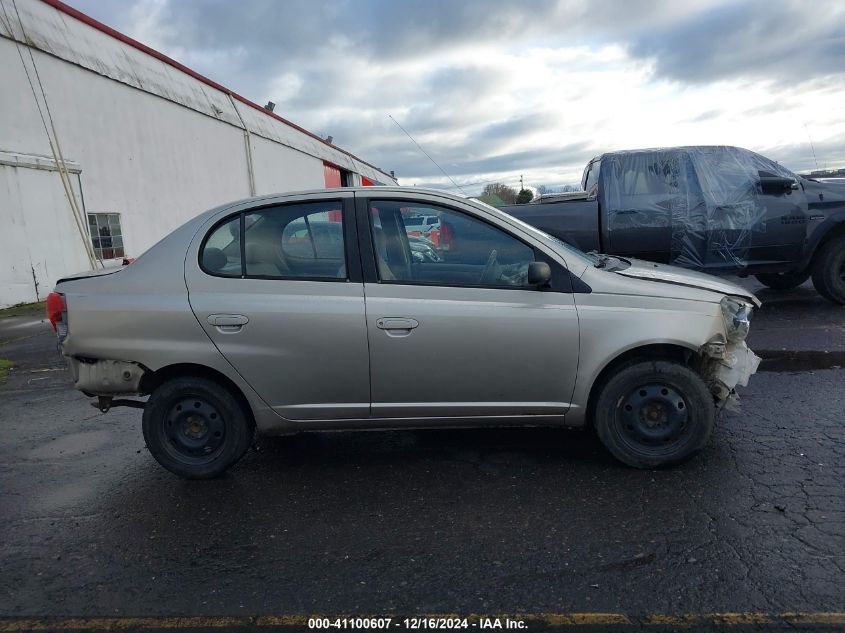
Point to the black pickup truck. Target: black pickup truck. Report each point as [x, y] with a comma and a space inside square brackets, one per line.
[722, 210]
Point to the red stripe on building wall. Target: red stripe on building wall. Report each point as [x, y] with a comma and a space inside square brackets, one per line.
[332, 175]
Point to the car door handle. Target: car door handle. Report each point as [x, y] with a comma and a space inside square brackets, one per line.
[393, 324]
[228, 322]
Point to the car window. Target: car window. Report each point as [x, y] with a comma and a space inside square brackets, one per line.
[314, 236]
[456, 249]
[586, 259]
[655, 174]
[298, 240]
[726, 176]
[592, 180]
[768, 167]
[221, 253]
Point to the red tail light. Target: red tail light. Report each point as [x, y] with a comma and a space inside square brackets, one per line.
[55, 307]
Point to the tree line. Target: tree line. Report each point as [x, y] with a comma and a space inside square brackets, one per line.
[498, 194]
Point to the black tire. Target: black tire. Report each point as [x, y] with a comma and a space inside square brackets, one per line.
[829, 270]
[653, 414]
[196, 428]
[783, 281]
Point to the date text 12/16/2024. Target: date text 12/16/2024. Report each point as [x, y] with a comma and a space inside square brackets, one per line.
[417, 623]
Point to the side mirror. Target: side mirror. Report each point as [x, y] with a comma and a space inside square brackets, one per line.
[775, 185]
[539, 274]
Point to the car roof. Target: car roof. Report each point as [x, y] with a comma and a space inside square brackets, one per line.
[678, 148]
[282, 196]
[410, 191]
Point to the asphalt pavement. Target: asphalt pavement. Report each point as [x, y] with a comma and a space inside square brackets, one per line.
[506, 521]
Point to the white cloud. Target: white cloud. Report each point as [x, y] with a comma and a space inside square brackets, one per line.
[493, 89]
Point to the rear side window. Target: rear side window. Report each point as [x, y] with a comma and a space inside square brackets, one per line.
[591, 182]
[221, 254]
[296, 241]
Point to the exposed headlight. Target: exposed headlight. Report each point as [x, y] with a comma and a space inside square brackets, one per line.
[737, 315]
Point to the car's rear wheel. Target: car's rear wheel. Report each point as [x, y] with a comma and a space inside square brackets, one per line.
[783, 281]
[195, 427]
[829, 270]
[652, 414]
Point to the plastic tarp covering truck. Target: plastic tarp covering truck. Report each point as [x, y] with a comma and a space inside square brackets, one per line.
[707, 196]
[716, 209]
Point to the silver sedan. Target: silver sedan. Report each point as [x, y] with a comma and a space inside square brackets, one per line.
[313, 311]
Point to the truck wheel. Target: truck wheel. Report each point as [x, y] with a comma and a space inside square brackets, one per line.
[783, 281]
[652, 414]
[195, 427]
[829, 270]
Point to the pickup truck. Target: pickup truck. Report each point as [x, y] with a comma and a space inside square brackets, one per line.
[717, 209]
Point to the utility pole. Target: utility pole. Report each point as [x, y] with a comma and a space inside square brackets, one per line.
[521, 186]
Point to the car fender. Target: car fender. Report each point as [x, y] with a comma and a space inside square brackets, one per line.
[602, 343]
[834, 223]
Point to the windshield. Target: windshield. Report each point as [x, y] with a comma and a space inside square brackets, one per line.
[587, 258]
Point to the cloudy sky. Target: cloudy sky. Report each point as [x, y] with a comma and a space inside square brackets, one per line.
[493, 89]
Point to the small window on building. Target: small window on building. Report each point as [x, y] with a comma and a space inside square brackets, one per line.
[106, 235]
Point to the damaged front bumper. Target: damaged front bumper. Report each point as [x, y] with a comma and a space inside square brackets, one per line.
[727, 365]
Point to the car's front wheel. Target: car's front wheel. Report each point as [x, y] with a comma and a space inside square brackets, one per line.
[195, 427]
[651, 414]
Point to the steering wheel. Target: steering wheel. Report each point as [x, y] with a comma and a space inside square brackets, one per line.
[488, 275]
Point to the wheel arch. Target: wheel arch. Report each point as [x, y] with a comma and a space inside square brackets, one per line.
[651, 351]
[153, 379]
[832, 232]
[831, 229]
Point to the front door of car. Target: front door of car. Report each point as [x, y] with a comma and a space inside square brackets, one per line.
[783, 206]
[278, 290]
[748, 221]
[454, 329]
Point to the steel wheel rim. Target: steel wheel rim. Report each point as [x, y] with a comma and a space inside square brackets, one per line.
[653, 418]
[193, 430]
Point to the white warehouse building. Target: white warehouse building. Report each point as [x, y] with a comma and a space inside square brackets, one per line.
[107, 145]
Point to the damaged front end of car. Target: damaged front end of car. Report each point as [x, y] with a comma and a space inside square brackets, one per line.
[727, 360]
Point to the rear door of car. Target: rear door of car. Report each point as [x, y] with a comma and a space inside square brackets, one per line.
[454, 337]
[277, 287]
[641, 196]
